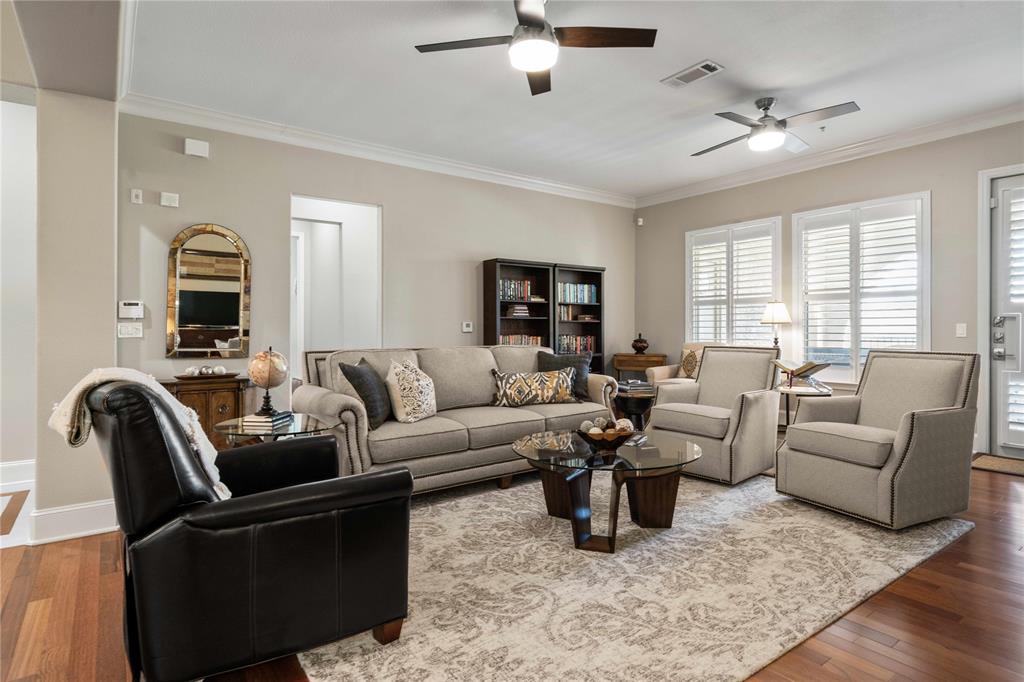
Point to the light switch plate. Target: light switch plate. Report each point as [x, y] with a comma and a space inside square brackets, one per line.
[467, 327]
[129, 330]
[136, 196]
[961, 330]
[169, 199]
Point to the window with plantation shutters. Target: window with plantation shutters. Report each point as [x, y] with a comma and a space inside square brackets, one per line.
[860, 280]
[731, 273]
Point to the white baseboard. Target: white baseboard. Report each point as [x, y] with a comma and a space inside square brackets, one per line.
[73, 521]
[20, 471]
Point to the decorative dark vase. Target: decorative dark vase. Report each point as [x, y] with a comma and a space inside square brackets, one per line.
[640, 344]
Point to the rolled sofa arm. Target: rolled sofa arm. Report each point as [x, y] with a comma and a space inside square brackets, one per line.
[842, 409]
[602, 388]
[353, 447]
[656, 374]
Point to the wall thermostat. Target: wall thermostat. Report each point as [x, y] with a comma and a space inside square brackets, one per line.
[130, 310]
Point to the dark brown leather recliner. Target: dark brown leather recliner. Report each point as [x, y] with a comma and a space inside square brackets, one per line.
[296, 558]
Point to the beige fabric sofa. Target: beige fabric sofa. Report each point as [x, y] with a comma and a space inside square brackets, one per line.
[729, 410]
[896, 453]
[469, 440]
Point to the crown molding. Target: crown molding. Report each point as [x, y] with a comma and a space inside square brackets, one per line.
[175, 112]
[878, 145]
[129, 17]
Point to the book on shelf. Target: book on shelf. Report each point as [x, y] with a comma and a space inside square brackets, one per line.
[520, 340]
[577, 293]
[570, 343]
[518, 290]
[518, 310]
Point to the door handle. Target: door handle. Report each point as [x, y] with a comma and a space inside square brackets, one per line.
[1000, 354]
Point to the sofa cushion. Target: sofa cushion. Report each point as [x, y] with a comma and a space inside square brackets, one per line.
[379, 359]
[371, 389]
[567, 415]
[495, 425]
[580, 362]
[462, 375]
[395, 441]
[517, 358]
[865, 445]
[702, 420]
[517, 389]
[411, 391]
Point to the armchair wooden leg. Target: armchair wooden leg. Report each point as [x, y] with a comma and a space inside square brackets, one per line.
[388, 632]
[505, 482]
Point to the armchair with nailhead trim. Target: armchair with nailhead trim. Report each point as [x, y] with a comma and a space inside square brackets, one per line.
[896, 453]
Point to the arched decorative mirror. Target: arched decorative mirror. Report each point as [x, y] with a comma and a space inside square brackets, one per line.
[208, 280]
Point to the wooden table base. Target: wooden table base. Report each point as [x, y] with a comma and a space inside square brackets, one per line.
[652, 501]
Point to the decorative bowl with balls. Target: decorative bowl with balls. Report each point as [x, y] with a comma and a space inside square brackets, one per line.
[606, 434]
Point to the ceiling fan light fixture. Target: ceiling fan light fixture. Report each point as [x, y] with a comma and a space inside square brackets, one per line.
[533, 54]
[767, 137]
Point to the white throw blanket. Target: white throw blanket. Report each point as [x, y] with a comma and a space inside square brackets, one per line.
[72, 419]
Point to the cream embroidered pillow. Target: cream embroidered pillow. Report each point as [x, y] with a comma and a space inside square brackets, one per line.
[689, 362]
[411, 392]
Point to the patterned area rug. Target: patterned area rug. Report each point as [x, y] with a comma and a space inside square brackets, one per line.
[497, 591]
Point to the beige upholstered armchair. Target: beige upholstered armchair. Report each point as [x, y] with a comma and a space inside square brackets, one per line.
[670, 374]
[896, 453]
[730, 411]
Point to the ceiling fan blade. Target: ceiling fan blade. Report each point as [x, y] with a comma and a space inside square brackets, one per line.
[605, 36]
[719, 146]
[794, 144]
[530, 13]
[738, 118]
[820, 114]
[463, 44]
[540, 81]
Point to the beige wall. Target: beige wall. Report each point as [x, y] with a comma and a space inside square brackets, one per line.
[437, 229]
[77, 156]
[14, 63]
[948, 168]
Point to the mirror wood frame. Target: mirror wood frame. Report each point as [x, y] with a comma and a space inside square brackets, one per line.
[173, 286]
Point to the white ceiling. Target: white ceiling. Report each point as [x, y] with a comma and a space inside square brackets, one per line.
[349, 69]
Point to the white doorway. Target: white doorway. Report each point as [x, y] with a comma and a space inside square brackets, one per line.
[336, 282]
[1006, 326]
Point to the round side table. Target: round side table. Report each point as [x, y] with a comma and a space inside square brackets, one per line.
[235, 430]
[635, 406]
[800, 392]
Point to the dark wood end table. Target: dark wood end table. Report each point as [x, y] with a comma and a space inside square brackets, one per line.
[636, 362]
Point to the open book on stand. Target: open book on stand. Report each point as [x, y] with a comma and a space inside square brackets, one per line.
[805, 371]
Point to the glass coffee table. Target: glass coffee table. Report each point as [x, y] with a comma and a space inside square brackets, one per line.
[650, 471]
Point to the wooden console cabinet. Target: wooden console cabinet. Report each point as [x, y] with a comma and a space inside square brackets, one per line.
[213, 398]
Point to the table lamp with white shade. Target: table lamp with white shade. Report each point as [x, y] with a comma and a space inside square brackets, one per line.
[775, 313]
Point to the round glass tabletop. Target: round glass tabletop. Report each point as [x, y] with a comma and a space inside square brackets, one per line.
[299, 425]
[566, 449]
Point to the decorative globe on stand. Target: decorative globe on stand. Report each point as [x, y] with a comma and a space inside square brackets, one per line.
[268, 369]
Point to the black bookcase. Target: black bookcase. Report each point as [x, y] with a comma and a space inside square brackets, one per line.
[550, 304]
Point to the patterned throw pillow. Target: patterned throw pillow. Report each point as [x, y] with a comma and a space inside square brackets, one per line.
[411, 391]
[688, 364]
[515, 389]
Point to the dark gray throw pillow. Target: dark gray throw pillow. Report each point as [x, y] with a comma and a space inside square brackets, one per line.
[548, 362]
[371, 389]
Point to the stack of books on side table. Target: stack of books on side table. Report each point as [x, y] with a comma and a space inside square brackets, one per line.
[258, 423]
[635, 386]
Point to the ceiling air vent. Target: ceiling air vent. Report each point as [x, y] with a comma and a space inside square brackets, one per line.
[692, 74]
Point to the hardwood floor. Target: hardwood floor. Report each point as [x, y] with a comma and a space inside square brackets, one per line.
[957, 616]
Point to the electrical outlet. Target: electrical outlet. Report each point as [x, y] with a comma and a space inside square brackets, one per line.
[136, 196]
[961, 330]
[467, 327]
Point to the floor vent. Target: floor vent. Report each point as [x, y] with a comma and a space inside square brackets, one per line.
[692, 74]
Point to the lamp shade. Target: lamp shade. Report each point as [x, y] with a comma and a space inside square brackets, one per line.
[775, 312]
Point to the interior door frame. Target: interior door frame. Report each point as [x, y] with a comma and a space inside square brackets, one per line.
[985, 180]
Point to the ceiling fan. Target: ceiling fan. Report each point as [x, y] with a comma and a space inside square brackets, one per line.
[533, 45]
[769, 132]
